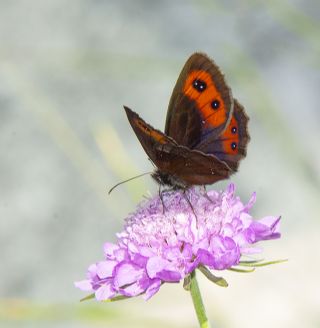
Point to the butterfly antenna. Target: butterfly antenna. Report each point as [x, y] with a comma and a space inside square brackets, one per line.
[120, 183]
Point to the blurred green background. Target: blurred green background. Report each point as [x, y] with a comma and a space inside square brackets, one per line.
[66, 69]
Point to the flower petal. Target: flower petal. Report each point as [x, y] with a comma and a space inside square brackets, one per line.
[266, 228]
[105, 268]
[152, 289]
[163, 269]
[84, 285]
[104, 292]
[155, 265]
[109, 250]
[132, 290]
[126, 273]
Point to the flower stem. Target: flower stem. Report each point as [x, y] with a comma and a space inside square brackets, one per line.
[197, 302]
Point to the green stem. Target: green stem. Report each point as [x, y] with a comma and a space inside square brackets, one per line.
[197, 302]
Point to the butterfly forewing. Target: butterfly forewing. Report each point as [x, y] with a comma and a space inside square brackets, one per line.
[150, 138]
[201, 102]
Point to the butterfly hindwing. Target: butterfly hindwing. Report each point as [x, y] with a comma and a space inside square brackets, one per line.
[192, 167]
[231, 145]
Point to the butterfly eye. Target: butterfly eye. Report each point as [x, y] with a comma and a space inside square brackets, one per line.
[234, 130]
[199, 85]
[233, 145]
[215, 104]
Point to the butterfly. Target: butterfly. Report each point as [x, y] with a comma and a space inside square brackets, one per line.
[206, 131]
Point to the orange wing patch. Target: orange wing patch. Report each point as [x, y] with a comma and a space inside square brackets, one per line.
[230, 137]
[200, 88]
[159, 137]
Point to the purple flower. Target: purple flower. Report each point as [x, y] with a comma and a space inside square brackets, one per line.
[161, 245]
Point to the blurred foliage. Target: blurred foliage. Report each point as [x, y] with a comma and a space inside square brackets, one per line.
[14, 313]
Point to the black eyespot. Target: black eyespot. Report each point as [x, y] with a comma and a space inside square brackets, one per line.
[234, 130]
[215, 104]
[199, 85]
[233, 145]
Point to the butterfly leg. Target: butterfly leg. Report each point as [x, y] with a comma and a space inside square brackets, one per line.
[205, 194]
[188, 201]
[161, 198]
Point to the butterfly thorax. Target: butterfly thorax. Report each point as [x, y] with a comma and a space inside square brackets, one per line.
[165, 179]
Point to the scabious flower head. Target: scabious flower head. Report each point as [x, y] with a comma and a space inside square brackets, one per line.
[165, 240]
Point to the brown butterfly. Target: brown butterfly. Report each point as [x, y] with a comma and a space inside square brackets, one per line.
[206, 129]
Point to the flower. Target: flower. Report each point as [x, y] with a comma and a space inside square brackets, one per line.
[170, 236]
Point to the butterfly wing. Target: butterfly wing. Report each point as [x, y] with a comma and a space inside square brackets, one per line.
[192, 167]
[177, 165]
[201, 103]
[202, 114]
[206, 129]
[231, 145]
[153, 141]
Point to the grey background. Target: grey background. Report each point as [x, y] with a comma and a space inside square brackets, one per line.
[66, 69]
